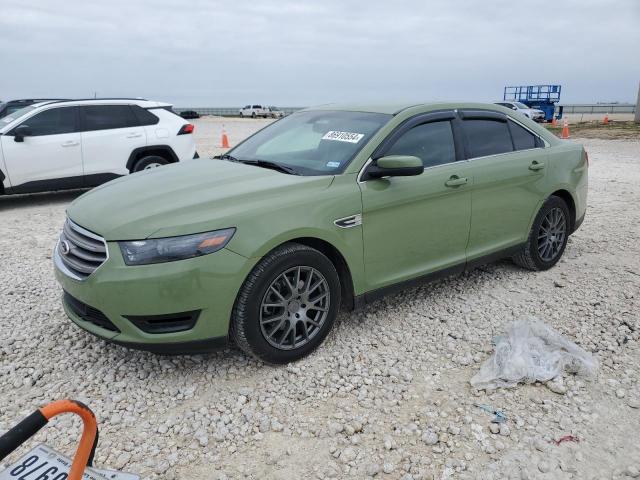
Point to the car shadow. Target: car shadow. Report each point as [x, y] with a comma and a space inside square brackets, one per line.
[38, 199]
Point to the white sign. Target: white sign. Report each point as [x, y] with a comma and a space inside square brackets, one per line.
[343, 136]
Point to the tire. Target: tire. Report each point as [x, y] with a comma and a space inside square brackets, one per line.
[266, 308]
[535, 255]
[253, 115]
[146, 163]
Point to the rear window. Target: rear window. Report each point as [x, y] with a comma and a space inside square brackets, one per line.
[144, 117]
[487, 137]
[105, 117]
[523, 139]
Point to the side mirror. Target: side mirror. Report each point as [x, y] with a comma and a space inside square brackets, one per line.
[20, 132]
[395, 166]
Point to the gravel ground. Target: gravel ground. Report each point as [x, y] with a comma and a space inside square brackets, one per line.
[387, 395]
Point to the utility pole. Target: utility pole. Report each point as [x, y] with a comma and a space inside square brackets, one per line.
[637, 117]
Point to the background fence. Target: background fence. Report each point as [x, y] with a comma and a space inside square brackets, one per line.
[575, 108]
[227, 111]
[600, 108]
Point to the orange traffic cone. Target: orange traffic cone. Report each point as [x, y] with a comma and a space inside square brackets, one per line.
[565, 129]
[225, 139]
[554, 122]
[605, 121]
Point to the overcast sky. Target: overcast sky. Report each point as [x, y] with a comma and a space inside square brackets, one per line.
[305, 52]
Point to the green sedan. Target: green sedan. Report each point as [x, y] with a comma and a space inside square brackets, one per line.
[328, 208]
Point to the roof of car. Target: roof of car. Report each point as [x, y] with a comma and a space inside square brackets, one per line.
[389, 108]
[143, 102]
[395, 108]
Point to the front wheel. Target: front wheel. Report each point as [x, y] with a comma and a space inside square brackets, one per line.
[548, 236]
[287, 305]
[147, 163]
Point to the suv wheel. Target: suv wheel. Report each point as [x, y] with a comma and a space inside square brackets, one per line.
[147, 163]
[548, 236]
[287, 305]
[253, 114]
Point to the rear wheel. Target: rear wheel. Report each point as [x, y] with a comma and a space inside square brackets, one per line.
[287, 305]
[147, 163]
[548, 236]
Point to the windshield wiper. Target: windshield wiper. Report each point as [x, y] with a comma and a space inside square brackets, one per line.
[259, 163]
[272, 165]
[226, 156]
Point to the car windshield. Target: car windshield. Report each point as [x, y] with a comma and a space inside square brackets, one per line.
[520, 105]
[312, 142]
[7, 119]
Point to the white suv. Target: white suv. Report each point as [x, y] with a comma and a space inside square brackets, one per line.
[56, 145]
[254, 111]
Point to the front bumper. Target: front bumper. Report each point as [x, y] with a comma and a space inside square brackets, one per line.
[207, 284]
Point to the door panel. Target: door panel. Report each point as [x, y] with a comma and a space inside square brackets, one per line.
[46, 157]
[109, 134]
[415, 225]
[52, 151]
[505, 196]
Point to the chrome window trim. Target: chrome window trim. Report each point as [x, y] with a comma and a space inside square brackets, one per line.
[455, 110]
[57, 260]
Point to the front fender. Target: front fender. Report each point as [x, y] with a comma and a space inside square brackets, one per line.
[310, 217]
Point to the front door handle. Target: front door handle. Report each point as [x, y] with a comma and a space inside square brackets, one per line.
[134, 135]
[455, 181]
[70, 143]
[535, 166]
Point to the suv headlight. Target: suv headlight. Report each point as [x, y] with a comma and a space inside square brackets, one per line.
[170, 249]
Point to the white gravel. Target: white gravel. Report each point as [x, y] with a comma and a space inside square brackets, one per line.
[387, 396]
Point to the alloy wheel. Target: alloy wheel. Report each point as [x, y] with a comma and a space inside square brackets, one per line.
[294, 307]
[552, 233]
[152, 165]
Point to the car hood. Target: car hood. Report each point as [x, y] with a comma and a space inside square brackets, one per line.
[183, 198]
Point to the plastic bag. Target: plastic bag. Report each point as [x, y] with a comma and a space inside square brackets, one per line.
[530, 352]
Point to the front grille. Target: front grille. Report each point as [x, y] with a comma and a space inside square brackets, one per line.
[88, 313]
[80, 251]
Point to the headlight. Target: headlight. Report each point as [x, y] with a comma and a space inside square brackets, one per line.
[159, 250]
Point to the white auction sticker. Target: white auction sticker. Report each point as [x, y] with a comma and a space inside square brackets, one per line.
[343, 136]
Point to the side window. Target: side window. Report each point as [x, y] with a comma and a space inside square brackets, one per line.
[104, 117]
[55, 121]
[144, 116]
[431, 142]
[257, 106]
[487, 137]
[523, 139]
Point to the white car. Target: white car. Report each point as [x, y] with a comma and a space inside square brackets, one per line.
[532, 113]
[57, 145]
[275, 112]
[254, 111]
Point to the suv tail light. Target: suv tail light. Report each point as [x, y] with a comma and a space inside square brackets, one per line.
[186, 128]
[586, 157]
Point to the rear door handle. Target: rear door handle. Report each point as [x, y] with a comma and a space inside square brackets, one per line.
[535, 166]
[455, 181]
[134, 135]
[70, 143]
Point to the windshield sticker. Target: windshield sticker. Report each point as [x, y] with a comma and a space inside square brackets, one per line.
[333, 164]
[343, 136]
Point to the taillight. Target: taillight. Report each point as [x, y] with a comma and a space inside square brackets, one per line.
[586, 157]
[186, 128]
